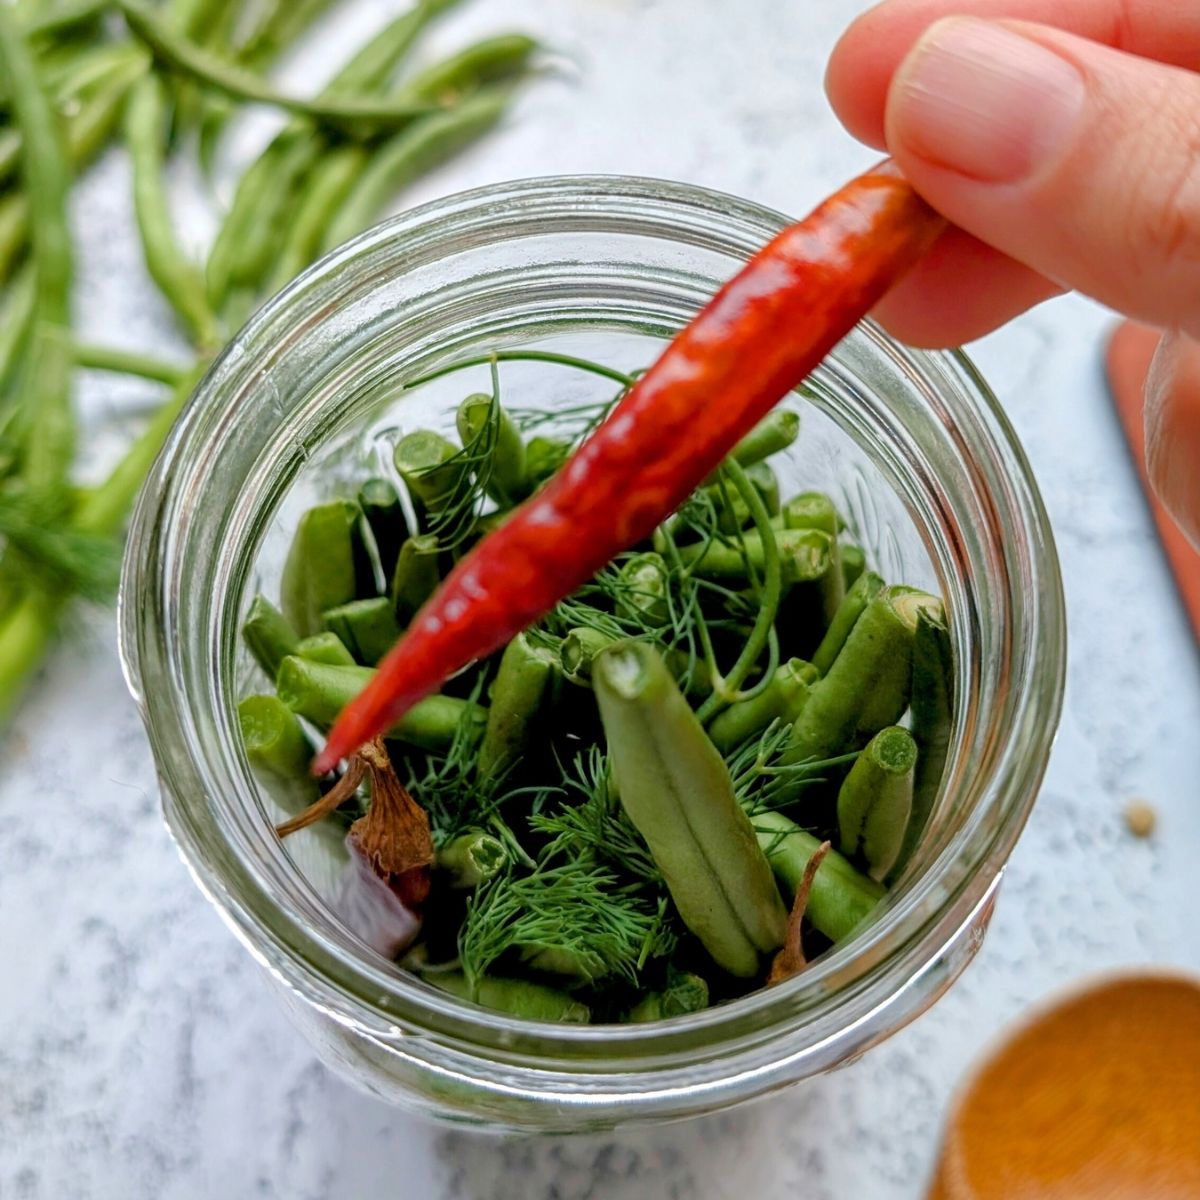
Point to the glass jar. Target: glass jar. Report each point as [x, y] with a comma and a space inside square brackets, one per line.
[912, 445]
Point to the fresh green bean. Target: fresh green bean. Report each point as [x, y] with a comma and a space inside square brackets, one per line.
[875, 800]
[865, 589]
[676, 789]
[815, 510]
[426, 143]
[782, 699]
[854, 563]
[841, 897]
[179, 280]
[505, 468]
[543, 457]
[354, 116]
[686, 993]
[643, 594]
[471, 859]
[325, 647]
[803, 557]
[867, 687]
[323, 564]
[385, 517]
[268, 635]
[416, 576]
[521, 688]
[517, 997]
[774, 433]
[430, 465]
[367, 627]
[319, 691]
[275, 742]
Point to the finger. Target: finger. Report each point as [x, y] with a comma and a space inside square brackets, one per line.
[1173, 430]
[869, 53]
[1077, 160]
[959, 291]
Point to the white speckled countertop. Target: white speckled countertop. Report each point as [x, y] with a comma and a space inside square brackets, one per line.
[140, 1054]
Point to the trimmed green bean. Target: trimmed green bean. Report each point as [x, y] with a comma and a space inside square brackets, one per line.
[385, 517]
[325, 647]
[643, 594]
[867, 687]
[323, 564]
[521, 687]
[430, 465]
[516, 997]
[275, 742]
[543, 457]
[854, 563]
[481, 417]
[684, 994]
[178, 278]
[424, 144]
[416, 576]
[781, 699]
[676, 789]
[319, 691]
[841, 897]
[268, 635]
[774, 433]
[875, 800]
[367, 627]
[865, 589]
[471, 859]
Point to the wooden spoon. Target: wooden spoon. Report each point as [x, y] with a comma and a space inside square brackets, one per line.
[1096, 1096]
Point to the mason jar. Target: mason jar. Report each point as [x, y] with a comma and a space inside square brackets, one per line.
[912, 446]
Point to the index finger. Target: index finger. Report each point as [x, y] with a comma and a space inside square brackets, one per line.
[864, 61]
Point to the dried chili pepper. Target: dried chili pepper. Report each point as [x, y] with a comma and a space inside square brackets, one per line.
[759, 337]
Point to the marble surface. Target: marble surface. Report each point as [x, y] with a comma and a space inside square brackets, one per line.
[140, 1054]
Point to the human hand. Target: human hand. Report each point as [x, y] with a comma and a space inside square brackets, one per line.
[1067, 153]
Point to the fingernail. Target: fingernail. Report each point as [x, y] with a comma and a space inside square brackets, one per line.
[984, 101]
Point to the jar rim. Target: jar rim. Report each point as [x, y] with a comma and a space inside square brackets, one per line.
[379, 998]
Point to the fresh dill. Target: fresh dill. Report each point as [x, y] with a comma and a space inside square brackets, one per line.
[762, 780]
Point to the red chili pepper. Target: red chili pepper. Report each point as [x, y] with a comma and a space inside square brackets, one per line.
[759, 337]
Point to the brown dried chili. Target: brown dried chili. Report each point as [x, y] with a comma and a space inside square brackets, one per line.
[758, 338]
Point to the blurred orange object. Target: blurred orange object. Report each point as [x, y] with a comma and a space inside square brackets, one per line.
[1130, 351]
[1097, 1096]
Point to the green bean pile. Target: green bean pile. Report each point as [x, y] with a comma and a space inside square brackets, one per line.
[626, 811]
[160, 79]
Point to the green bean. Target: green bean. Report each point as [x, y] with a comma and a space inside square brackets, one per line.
[932, 722]
[684, 994]
[854, 563]
[354, 116]
[430, 465]
[775, 432]
[268, 635]
[416, 576]
[471, 859]
[841, 897]
[323, 564]
[521, 687]
[643, 594]
[517, 997]
[386, 520]
[319, 691]
[814, 510]
[865, 589]
[782, 699]
[676, 789]
[325, 647]
[875, 800]
[278, 751]
[543, 457]
[127, 362]
[179, 280]
[367, 627]
[411, 153]
[867, 687]
[64, 16]
[506, 454]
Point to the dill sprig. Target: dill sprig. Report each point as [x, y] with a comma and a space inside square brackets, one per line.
[762, 780]
[596, 829]
[571, 917]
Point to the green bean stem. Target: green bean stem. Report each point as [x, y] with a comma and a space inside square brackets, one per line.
[676, 789]
[865, 589]
[522, 684]
[867, 687]
[841, 897]
[875, 800]
[319, 691]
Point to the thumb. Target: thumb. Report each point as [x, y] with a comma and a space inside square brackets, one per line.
[1078, 160]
